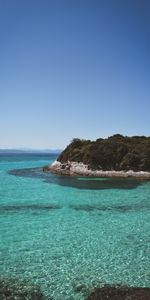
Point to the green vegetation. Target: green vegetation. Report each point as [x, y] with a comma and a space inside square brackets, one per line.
[117, 152]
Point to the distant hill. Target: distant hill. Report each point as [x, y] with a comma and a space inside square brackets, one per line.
[116, 152]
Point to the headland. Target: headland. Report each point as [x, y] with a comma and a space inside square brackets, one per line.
[116, 156]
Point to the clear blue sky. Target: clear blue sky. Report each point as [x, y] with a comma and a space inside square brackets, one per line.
[73, 68]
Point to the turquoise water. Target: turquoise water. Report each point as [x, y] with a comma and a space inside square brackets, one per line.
[62, 233]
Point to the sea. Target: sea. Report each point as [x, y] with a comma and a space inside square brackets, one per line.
[67, 235]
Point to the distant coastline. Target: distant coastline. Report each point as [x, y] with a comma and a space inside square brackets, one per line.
[30, 151]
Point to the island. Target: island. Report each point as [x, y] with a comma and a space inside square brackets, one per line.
[115, 156]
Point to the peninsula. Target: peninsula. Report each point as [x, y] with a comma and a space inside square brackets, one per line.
[115, 156]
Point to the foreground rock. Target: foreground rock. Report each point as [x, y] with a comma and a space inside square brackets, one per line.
[119, 293]
[11, 289]
[75, 169]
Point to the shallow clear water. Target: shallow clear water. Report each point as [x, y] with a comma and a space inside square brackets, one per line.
[61, 233]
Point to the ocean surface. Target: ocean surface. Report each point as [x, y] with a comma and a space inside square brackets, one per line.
[68, 235]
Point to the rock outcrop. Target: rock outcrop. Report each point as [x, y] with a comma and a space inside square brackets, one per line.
[116, 156]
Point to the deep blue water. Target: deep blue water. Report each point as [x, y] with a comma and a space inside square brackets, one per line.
[63, 232]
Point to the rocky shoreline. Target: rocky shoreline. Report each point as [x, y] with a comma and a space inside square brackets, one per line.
[80, 169]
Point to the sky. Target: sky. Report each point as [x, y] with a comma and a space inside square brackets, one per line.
[73, 69]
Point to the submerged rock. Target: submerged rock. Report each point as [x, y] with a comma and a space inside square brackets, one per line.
[108, 292]
[11, 289]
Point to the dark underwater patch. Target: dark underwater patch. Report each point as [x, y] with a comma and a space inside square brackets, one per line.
[102, 208]
[119, 293]
[27, 172]
[68, 181]
[27, 207]
[11, 289]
